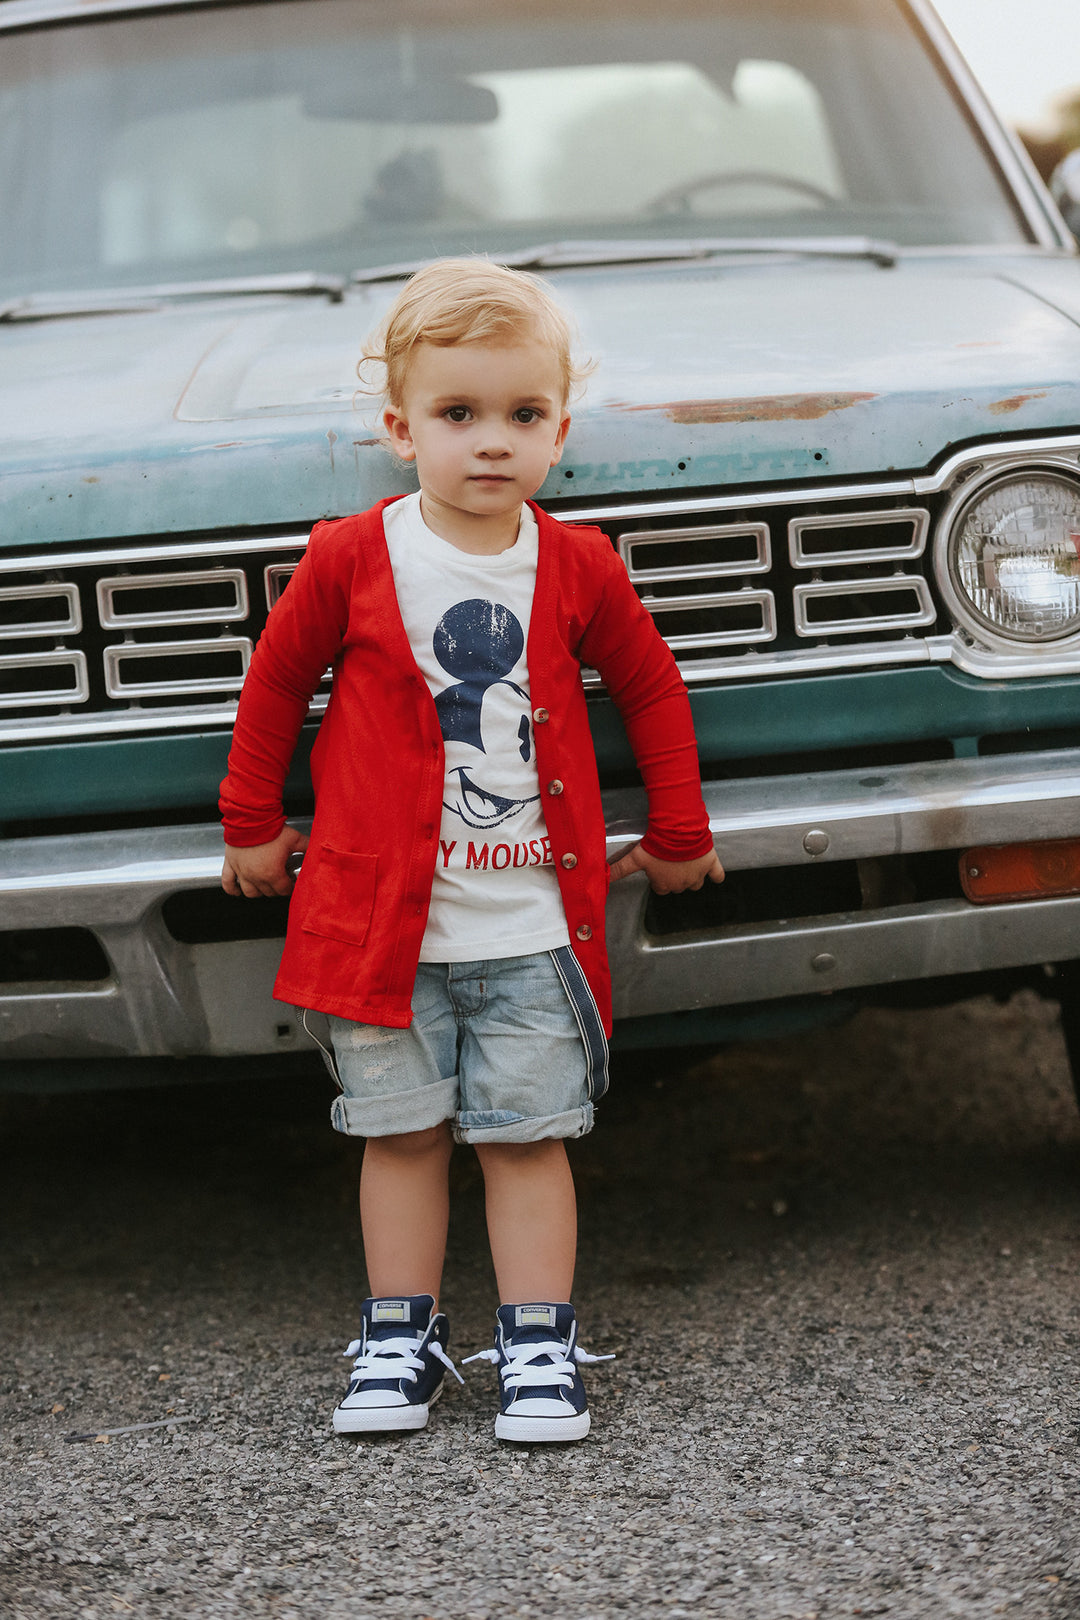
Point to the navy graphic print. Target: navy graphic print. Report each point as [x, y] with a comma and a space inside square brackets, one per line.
[478, 643]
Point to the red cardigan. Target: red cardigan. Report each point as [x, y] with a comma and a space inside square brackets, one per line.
[358, 912]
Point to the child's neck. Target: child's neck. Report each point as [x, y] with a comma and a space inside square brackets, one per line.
[472, 532]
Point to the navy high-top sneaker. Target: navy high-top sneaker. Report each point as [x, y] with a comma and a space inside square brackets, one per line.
[537, 1354]
[400, 1363]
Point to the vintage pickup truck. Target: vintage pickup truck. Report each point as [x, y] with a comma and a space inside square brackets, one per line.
[833, 432]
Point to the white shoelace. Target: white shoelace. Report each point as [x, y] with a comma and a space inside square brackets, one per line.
[396, 1358]
[519, 1373]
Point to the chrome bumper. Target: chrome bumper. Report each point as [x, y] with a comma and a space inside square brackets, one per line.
[162, 997]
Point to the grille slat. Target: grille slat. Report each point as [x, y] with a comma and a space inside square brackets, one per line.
[719, 619]
[903, 603]
[43, 679]
[177, 668]
[193, 596]
[39, 610]
[858, 537]
[708, 552]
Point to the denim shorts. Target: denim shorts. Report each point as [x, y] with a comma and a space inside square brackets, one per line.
[511, 1050]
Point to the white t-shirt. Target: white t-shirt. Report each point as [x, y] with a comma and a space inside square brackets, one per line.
[495, 891]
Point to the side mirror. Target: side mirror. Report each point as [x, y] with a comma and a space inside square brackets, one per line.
[1065, 190]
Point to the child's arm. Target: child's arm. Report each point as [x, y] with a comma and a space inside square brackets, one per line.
[303, 636]
[636, 664]
[262, 869]
[669, 877]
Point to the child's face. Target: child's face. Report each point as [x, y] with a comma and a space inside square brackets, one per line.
[484, 423]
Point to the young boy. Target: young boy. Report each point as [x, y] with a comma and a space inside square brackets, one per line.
[449, 914]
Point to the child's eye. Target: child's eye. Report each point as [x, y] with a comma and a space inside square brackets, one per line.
[527, 413]
[457, 413]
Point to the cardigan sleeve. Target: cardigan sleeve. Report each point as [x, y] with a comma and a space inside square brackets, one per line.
[303, 636]
[623, 644]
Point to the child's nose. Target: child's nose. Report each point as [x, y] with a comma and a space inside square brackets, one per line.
[494, 442]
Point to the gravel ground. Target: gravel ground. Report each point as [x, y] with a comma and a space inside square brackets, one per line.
[839, 1272]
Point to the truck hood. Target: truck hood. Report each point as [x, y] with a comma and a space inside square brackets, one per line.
[246, 413]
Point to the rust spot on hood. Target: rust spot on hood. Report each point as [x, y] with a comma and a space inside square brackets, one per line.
[765, 408]
[1000, 407]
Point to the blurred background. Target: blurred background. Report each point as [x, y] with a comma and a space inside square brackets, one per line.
[1027, 55]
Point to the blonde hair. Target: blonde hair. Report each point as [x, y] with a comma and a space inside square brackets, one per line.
[468, 301]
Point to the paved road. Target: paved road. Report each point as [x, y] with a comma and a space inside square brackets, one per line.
[840, 1273]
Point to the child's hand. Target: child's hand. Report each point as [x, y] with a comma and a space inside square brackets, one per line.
[669, 877]
[261, 869]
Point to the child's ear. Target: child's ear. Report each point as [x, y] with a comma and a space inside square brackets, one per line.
[397, 431]
[560, 438]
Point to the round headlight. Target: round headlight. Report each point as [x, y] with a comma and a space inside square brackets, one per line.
[1014, 558]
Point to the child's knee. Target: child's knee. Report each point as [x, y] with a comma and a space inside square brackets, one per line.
[414, 1144]
[520, 1153]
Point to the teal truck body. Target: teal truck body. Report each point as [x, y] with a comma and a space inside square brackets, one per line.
[833, 429]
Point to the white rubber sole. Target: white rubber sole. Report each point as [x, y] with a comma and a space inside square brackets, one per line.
[382, 1419]
[531, 1430]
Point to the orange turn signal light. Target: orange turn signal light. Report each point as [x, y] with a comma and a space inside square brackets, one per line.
[1021, 871]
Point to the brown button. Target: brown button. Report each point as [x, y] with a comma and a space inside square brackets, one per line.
[541, 716]
[584, 932]
[569, 861]
[555, 788]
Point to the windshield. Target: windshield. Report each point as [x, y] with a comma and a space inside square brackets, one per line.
[329, 135]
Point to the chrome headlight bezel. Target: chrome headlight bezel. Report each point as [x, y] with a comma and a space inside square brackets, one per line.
[993, 474]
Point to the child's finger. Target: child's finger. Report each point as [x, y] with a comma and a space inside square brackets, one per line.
[625, 865]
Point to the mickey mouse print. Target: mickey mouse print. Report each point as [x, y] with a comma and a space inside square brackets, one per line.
[479, 643]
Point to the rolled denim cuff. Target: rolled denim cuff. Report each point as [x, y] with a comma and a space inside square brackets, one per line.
[499, 1126]
[417, 1109]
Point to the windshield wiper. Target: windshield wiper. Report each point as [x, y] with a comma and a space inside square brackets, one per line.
[137, 300]
[577, 255]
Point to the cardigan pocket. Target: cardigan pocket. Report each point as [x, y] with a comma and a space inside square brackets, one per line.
[341, 894]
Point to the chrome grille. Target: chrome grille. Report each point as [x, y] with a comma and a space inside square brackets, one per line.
[152, 637]
[140, 637]
[847, 579]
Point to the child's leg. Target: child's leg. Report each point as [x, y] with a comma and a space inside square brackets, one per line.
[531, 1218]
[404, 1208]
